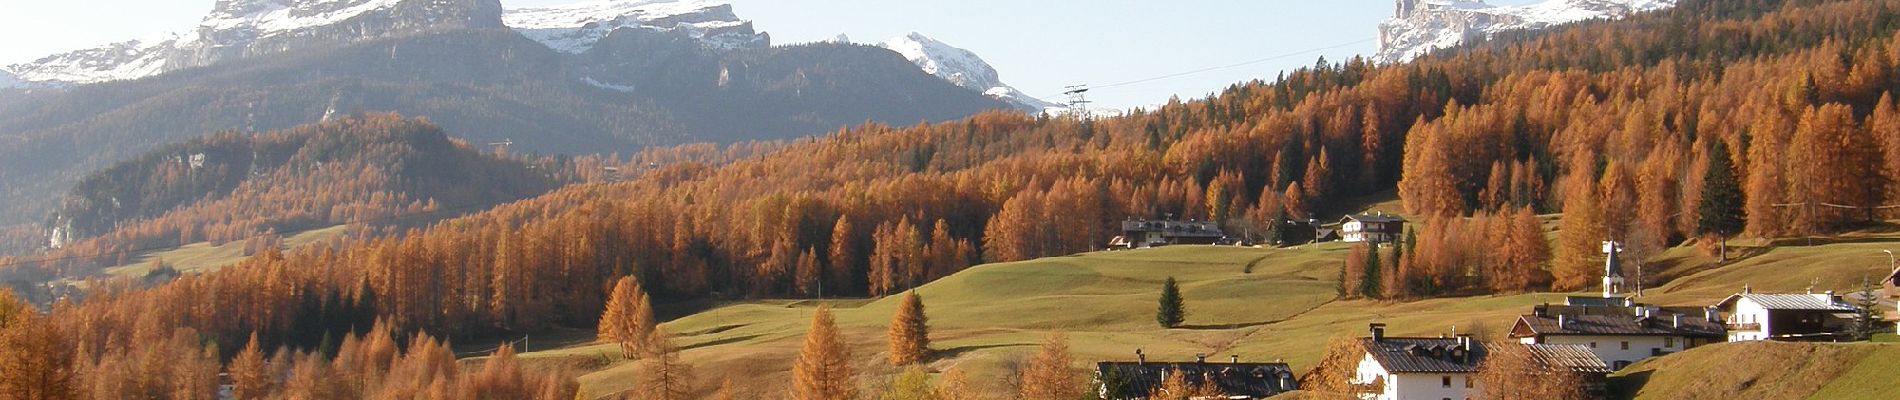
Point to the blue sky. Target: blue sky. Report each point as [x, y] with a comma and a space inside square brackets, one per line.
[1038, 46]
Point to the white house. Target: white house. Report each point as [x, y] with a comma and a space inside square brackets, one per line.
[1619, 336]
[1374, 228]
[1417, 368]
[1789, 317]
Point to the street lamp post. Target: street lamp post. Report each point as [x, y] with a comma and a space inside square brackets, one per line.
[1315, 223]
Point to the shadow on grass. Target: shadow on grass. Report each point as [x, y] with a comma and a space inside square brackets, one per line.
[955, 352]
[713, 330]
[726, 341]
[1626, 386]
[1225, 326]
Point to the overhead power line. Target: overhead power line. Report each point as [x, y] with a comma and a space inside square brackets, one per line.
[1228, 66]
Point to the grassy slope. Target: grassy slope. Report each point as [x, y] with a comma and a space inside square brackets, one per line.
[204, 257]
[1766, 370]
[989, 317]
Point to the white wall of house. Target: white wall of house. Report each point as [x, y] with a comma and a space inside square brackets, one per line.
[1748, 312]
[1415, 386]
[1617, 351]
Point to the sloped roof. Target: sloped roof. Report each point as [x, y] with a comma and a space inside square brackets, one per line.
[1803, 302]
[1254, 380]
[1375, 218]
[1574, 357]
[1617, 325]
[1423, 354]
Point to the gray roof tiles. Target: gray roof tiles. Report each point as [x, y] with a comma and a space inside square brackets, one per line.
[1618, 325]
[1401, 355]
[1805, 302]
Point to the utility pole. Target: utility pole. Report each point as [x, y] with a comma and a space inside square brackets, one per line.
[1078, 99]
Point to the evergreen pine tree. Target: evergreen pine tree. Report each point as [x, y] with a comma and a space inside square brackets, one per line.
[1171, 312]
[1721, 209]
[910, 331]
[1865, 313]
[1369, 281]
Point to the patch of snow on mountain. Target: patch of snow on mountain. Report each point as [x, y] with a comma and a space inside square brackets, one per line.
[280, 16]
[131, 59]
[609, 86]
[576, 27]
[963, 68]
[243, 28]
[1419, 26]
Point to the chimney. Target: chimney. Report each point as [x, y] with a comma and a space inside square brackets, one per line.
[1563, 321]
[1541, 311]
[1676, 320]
[1200, 358]
[1378, 332]
[1140, 358]
[1464, 340]
[1234, 358]
[1709, 314]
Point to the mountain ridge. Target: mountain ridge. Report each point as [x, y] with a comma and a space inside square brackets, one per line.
[1419, 26]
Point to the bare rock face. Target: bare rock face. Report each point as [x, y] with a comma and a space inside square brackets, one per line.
[248, 28]
[1420, 26]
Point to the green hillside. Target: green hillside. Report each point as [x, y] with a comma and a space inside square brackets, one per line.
[989, 317]
[1766, 370]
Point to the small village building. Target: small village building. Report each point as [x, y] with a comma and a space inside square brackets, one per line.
[1786, 317]
[1619, 335]
[1403, 368]
[1576, 359]
[1141, 233]
[1235, 379]
[1371, 228]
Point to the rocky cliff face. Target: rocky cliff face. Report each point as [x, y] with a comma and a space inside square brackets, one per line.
[246, 28]
[1420, 26]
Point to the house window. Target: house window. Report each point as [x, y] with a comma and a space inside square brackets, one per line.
[1593, 345]
[1626, 345]
[1467, 382]
[1669, 341]
[1447, 381]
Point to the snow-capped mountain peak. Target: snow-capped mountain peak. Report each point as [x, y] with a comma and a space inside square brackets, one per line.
[574, 28]
[963, 68]
[1420, 26]
[245, 28]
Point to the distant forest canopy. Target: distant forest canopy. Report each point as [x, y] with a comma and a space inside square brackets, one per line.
[1614, 120]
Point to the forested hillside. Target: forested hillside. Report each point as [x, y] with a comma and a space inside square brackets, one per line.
[373, 171]
[1613, 123]
[481, 85]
